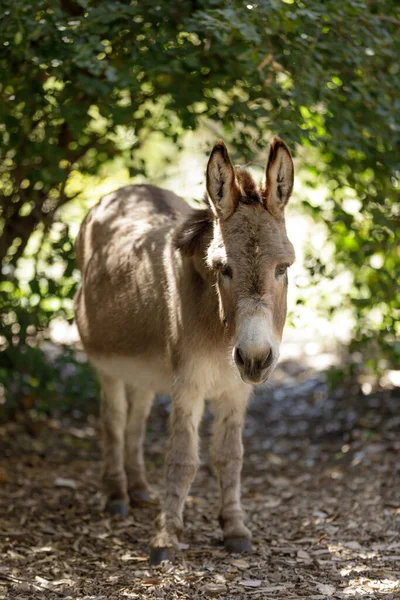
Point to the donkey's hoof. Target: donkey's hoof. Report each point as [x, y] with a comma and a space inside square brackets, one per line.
[158, 555]
[142, 498]
[238, 545]
[118, 507]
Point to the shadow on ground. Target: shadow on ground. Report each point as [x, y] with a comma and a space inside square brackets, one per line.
[320, 487]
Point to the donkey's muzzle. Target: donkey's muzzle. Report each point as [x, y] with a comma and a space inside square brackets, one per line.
[253, 369]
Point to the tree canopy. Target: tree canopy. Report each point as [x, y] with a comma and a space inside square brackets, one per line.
[323, 75]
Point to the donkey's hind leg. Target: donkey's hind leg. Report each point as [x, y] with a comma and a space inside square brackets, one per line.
[113, 417]
[139, 405]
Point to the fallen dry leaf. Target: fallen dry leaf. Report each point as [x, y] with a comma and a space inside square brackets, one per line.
[326, 588]
[183, 546]
[272, 502]
[240, 563]
[253, 583]
[303, 555]
[276, 588]
[67, 483]
[212, 589]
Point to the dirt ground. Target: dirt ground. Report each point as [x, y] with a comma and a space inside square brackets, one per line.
[320, 488]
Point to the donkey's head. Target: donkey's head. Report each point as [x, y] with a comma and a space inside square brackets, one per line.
[249, 254]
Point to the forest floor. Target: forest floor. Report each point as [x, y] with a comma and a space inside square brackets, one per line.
[321, 489]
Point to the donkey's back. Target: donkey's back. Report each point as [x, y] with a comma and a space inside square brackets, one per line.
[121, 219]
[120, 251]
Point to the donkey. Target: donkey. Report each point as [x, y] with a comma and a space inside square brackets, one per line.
[189, 302]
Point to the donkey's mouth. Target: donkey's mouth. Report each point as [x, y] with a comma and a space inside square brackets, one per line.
[253, 378]
[255, 381]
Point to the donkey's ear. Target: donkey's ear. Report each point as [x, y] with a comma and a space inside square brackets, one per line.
[278, 178]
[222, 188]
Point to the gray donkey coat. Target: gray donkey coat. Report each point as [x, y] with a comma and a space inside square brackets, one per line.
[191, 303]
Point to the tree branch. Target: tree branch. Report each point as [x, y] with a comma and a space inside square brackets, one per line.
[388, 18]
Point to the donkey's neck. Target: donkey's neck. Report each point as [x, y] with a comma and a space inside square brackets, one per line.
[204, 300]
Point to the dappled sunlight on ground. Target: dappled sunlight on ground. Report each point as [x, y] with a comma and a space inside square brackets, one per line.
[320, 488]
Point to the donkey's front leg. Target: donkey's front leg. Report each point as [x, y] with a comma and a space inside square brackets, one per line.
[181, 466]
[227, 458]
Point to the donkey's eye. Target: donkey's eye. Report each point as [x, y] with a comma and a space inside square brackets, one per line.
[226, 272]
[281, 269]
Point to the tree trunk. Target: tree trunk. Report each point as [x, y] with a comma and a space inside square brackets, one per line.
[16, 227]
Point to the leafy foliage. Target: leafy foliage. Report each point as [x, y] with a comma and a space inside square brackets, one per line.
[325, 75]
[35, 380]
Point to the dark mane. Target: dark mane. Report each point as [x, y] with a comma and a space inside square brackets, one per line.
[189, 236]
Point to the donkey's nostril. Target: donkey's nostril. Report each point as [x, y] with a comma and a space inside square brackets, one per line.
[267, 361]
[239, 360]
